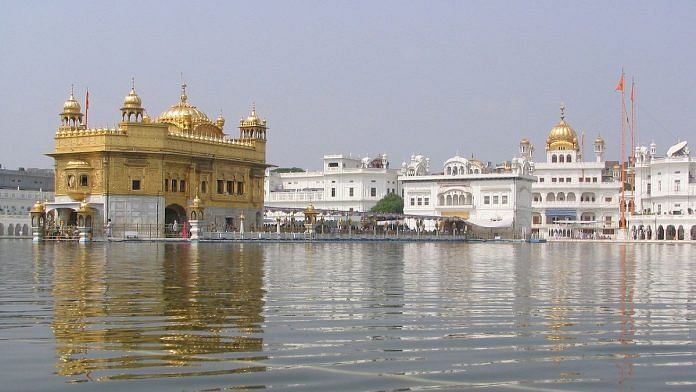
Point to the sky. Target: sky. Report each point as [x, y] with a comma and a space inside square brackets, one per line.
[437, 78]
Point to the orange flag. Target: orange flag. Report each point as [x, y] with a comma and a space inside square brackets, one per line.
[633, 91]
[620, 85]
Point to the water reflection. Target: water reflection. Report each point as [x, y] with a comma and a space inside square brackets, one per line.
[349, 316]
[136, 311]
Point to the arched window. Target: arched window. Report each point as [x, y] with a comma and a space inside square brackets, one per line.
[554, 159]
[449, 170]
[569, 158]
[560, 159]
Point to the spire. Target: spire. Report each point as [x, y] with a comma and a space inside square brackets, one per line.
[184, 97]
[133, 83]
[253, 109]
[562, 111]
[72, 91]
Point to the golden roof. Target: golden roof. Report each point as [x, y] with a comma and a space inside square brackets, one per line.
[38, 207]
[599, 140]
[524, 141]
[562, 136]
[253, 120]
[71, 106]
[183, 114]
[132, 100]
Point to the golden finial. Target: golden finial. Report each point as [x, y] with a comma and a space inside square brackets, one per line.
[562, 111]
[133, 83]
[72, 90]
[184, 97]
[253, 109]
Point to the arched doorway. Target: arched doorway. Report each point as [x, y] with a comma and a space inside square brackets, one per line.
[174, 212]
[680, 233]
[25, 230]
[10, 229]
[693, 232]
[671, 233]
[2, 229]
[660, 233]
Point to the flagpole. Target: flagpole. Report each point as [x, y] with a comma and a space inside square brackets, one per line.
[633, 141]
[86, 108]
[622, 165]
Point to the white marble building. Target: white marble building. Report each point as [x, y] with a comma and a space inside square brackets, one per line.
[665, 189]
[573, 198]
[345, 183]
[19, 190]
[491, 203]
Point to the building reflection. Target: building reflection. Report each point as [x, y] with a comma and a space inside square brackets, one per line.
[139, 309]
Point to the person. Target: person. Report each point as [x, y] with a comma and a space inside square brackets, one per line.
[175, 226]
[108, 228]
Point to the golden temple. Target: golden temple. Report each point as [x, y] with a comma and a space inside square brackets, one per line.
[148, 172]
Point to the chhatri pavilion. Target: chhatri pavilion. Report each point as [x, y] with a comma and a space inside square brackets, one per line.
[147, 173]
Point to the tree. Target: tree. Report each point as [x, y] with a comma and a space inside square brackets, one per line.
[391, 203]
[288, 170]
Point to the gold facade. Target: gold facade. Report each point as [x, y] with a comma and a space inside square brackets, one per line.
[178, 156]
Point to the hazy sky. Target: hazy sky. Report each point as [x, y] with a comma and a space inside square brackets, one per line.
[361, 77]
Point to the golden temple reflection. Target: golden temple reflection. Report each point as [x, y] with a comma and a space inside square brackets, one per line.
[137, 315]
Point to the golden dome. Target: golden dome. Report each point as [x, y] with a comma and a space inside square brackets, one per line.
[253, 120]
[562, 136]
[71, 106]
[220, 121]
[599, 140]
[524, 141]
[183, 114]
[132, 100]
[38, 207]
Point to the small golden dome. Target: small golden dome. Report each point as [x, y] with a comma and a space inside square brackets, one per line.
[71, 106]
[196, 202]
[253, 120]
[599, 140]
[132, 100]
[562, 136]
[524, 141]
[220, 121]
[38, 207]
[183, 114]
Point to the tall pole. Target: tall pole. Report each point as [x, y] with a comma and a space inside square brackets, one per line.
[633, 143]
[622, 164]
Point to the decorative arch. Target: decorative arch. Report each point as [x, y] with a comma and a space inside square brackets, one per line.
[174, 212]
[560, 196]
[569, 158]
[561, 158]
[671, 232]
[550, 197]
[693, 232]
[570, 196]
[25, 230]
[660, 235]
[10, 229]
[554, 158]
[680, 233]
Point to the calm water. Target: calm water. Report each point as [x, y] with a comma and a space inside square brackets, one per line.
[347, 316]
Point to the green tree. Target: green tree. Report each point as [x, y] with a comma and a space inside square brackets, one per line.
[391, 203]
[288, 170]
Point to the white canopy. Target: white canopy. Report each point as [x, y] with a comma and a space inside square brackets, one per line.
[492, 222]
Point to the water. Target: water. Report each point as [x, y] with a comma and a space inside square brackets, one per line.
[347, 316]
